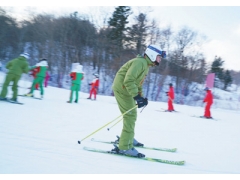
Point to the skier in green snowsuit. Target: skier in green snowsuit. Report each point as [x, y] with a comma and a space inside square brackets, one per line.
[16, 68]
[127, 88]
[41, 67]
[77, 76]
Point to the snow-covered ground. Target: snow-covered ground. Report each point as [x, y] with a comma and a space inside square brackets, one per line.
[40, 137]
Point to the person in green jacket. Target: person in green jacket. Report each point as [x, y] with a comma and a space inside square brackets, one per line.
[41, 69]
[77, 76]
[16, 68]
[127, 88]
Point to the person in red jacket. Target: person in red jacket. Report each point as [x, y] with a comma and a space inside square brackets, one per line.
[46, 79]
[94, 87]
[170, 95]
[33, 73]
[208, 100]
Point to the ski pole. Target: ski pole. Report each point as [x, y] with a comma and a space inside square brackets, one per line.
[79, 142]
[122, 119]
[115, 124]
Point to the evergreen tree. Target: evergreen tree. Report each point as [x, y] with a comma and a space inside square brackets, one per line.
[218, 70]
[217, 67]
[9, 36]
[227, 80]
[138, 33]
[118, 23]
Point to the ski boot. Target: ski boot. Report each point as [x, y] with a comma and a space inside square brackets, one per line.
[3, 99]
[135, 142]
[115, 150]
[14, 100]
[131, 152]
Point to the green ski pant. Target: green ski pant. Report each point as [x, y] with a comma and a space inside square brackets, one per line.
[8, 79]
[38, 80]
[125, 103]
[74, 88]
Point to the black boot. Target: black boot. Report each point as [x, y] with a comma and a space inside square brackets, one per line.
[117, 141]
[14, 99]
[115, 150]
[3, 99]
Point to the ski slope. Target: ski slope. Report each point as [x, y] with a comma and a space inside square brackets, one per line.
[40, 137]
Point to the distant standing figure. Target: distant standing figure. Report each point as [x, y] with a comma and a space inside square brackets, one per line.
[94, 87]
[208, 100]
[46, 79]
[77, 76]
[16, 68]
[170, 95]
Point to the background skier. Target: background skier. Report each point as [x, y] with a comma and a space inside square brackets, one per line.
[208, 100]
[46, 79]
[41, 69]
[16, 68]
[170, 95]
[94, 87]
[33, 74]
[77, 76]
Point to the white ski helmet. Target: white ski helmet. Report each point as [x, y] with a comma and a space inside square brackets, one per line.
[42, 63]
[79, 68]
[153, 51]
[26, 55]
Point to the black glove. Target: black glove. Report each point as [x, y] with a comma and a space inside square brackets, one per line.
[141, 101]
[166, 93]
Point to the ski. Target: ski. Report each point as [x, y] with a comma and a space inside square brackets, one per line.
[160, 110]
[144, 147]
[13, 102]
[204, 117]
[165, 110]
[30, 97]
[144, 158]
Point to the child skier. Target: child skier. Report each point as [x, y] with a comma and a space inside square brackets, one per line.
[77, 75]
[94, 86]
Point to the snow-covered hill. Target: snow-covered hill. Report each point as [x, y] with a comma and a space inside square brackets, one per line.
[40, 137]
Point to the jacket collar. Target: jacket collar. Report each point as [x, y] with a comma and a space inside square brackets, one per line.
[149, 62]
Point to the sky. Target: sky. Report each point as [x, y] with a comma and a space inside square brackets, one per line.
[218, 22]
[39, 139]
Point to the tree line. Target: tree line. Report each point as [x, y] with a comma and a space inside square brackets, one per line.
[71, 38]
